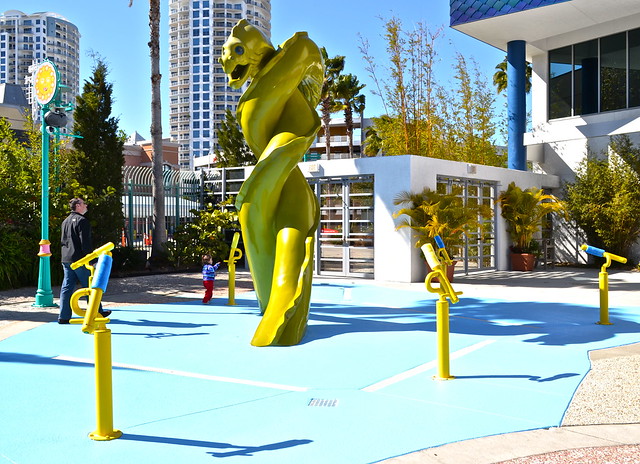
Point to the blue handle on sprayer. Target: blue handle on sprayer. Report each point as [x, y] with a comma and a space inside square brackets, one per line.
[594, 251]
[439, 242]
[103, 271]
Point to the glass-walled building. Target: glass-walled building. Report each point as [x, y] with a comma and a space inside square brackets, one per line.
[585, 57]
[198, 93]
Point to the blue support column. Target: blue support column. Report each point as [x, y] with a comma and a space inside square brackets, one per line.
[517, 104]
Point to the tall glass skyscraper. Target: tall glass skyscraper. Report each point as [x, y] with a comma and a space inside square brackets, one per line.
[28, 39]
[198, 92]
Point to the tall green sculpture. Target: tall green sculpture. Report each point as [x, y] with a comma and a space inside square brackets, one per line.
[278, 211]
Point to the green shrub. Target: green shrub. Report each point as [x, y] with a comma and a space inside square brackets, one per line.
[429, 213]
[604, 201]
[127, 259]
[204, 235]
[18, 257]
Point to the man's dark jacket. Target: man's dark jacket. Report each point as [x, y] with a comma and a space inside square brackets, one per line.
[75, 238]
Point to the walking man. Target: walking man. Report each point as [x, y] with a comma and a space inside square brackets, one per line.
[76, 244]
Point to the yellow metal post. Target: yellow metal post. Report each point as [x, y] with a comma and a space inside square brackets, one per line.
[93, 323]
[437, 262]
[603, 279]
[104, 391]
[234, 255]
[604, 298]
[442, 327]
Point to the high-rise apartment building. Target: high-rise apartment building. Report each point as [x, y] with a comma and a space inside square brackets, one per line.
[198, 91]
[28, 39]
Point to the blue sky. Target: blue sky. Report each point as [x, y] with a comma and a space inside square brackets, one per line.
[120, 34]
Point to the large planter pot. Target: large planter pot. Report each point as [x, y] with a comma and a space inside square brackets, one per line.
[523, 261]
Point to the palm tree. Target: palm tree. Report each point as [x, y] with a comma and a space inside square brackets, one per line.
[372, 143]
[500, 76]
[333, 68]
[347, 93]
[159, 236]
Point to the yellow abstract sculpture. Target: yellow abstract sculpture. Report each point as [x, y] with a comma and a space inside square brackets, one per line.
[278, 211]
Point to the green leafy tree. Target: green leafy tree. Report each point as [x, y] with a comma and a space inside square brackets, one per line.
[19, 210]
[99, 158]
[373, 143]
[424, 117]
[621, 144]
[203, 235]
[409, 93]
[333, 68]
[469, 128]
[347, 93]
[604, 201]
[234, 149]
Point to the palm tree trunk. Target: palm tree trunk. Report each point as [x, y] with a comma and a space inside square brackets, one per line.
[348, 121]
[159, 230]
[326, 121]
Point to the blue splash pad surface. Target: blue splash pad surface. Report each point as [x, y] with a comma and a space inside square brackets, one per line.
[189, 387]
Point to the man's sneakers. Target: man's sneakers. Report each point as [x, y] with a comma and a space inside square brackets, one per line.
[102, 314]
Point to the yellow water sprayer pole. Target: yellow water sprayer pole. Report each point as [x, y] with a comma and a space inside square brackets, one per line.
[234, 255]
[603, 279]
[437, 262]
[104, 391]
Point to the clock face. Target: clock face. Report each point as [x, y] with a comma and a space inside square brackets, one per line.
[46, 82]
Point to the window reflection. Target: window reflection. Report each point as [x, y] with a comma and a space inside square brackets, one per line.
[634, 67]
[586, 77]
[597, 75]
[560, 83]
[613, 72]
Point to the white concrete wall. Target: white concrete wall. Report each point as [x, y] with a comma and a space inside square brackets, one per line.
[396, 259]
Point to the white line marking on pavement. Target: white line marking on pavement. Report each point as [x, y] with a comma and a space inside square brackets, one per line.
[424, 367]
[194, 375]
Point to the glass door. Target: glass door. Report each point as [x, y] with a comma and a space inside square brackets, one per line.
[345, 233]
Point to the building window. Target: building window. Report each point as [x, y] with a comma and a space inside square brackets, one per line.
[585, 77]
[613, 72]
[595, 76]
[560, 83]
[634, 67]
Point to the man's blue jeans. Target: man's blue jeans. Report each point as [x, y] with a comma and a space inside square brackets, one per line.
[71, 278]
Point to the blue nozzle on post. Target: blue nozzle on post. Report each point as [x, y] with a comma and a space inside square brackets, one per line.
[593, 250]
[439, 242]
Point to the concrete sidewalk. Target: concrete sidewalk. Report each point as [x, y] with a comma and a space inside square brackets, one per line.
[604, 411]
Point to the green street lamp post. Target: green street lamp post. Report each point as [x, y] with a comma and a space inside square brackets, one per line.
[46, 86]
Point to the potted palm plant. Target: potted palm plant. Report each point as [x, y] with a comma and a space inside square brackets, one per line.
[429, 213]
[524, 212]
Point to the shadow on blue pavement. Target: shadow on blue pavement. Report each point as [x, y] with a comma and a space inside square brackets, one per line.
[556, 324]
[239, 450]
[168, 324]
[533, 378]
[354, 320]
[23, 358]
[161, 334]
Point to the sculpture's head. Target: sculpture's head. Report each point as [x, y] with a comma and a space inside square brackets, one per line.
[243, 53]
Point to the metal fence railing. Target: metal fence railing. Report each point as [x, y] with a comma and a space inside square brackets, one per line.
[184, 191]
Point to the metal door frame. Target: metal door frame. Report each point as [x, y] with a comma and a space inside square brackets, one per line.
[345, 235]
